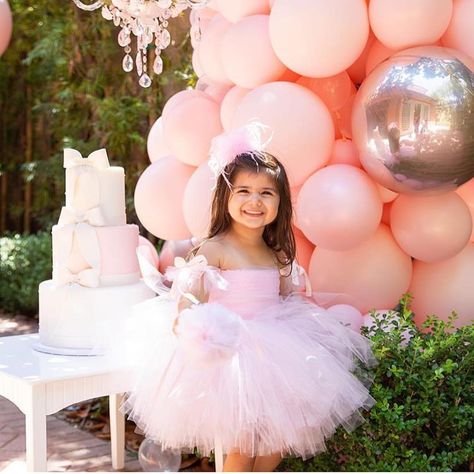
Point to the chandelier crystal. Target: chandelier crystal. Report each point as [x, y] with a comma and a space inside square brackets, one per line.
[147, 21]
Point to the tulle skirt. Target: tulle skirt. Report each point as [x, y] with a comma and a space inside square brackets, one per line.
[281, 382]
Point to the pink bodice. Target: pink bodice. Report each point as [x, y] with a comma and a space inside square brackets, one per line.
[249, 290]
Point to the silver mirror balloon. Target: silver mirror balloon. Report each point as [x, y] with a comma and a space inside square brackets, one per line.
[413, 121]
[153, 458]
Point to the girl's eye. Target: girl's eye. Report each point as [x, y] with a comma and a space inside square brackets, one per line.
[267, 193]
[242, 191]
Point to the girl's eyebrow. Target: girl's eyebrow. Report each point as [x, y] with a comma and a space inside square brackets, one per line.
[247, 187]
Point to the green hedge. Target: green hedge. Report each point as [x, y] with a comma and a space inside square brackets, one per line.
[424, 415]
[25, 261]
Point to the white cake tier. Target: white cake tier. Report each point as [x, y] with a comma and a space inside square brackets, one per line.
[95, 256]
[74, 317]
[95, 191]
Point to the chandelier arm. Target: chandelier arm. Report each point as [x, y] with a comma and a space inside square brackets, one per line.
[89, 8]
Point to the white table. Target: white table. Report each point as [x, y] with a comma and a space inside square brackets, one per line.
[40, 384]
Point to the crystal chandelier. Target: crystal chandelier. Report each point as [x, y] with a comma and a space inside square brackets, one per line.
[147, 20]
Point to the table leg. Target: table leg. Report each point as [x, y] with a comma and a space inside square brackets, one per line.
[117, 431]
[35, 420]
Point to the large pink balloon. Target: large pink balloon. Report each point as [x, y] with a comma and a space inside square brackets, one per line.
[356, 70]
[6, 25]
[378, 52]
[303, 131]
[304, 248]
[190, 126]
[217, 91]
[318, 38]
[439, 288]
[182, 96]
[459, 33]
[431, 228]
[236, 10]
[156, 144]
[360, 276]
[334, 91]
[172, 249]
[198, 200]
[405, 23]
[345, 153]
[247, 54]
[209, 50]
[159, 198]
[386, 194]
[347, 315]
[466, 191]
[339, 207]
[229, 105]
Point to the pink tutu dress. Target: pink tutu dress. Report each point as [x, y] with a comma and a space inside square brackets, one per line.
[250, 369]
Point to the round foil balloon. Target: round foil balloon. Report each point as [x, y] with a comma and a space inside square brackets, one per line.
[153, 458]
[413, 121]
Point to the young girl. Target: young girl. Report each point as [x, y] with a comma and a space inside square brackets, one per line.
[237, 358]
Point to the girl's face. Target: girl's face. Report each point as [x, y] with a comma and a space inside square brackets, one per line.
[254, 199]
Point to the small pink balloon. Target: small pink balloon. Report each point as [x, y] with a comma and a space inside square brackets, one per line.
[334, 91]
[400, 24]
[190, 126]
[303, 131]
[209, 50]
[236, 11]
[6, 25]
[442, 287]
[172, 249]
[156, 144]
[466, 191]
[304, 248]
[386, 194]
[247, 54]
[289, 76]
[347, 315]
[339, 207]
[344, 153]
[318, 38]
[423, 225]
[197, 201]
[229, 105]
[150, 251]
[459, 33]
[217, 91]
[159, 198]
[182, 96]
[377, 54]
[387, 209]
[359, 276]
[344, 118]
[356, 70]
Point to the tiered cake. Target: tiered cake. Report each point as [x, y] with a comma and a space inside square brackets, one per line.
[96, 277]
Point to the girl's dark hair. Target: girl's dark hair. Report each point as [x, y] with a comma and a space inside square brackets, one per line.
[278, 235]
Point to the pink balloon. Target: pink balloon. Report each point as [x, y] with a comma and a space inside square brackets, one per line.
[339, 207]
[289, 76]
[198, 200]
[466, 191]
[347, 315]
[234, 11]
[150, 251]
[156, 144]
[196, 62]
[247, 54]
[401, 24]
[345, 153]
[229, 105]
[303, 131]
[378, 53]
[189, 127]
[217, 91]
[172, 249]
[359, 276]
[459, 33]
[356, 70]
[159, 198]
[334, 91]
[304, 248]
[318, 38]
[6, 25]
[182, 96]
[344, 118]
[439, 288]
[431, 228]
[386, 194]
[387, 209]
[209, 50]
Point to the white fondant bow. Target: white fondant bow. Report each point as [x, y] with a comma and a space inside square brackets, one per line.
[92, 216]
[97, 159]
[88, 277]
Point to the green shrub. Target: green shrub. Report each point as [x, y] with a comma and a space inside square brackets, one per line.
[25, 261]
[424, 415]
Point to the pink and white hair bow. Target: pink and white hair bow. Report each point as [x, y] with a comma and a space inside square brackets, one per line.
[253, 136]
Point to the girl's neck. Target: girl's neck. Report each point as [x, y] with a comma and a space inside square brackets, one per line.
[245, 236]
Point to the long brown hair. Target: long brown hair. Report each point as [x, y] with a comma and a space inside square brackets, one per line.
[278, 235]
